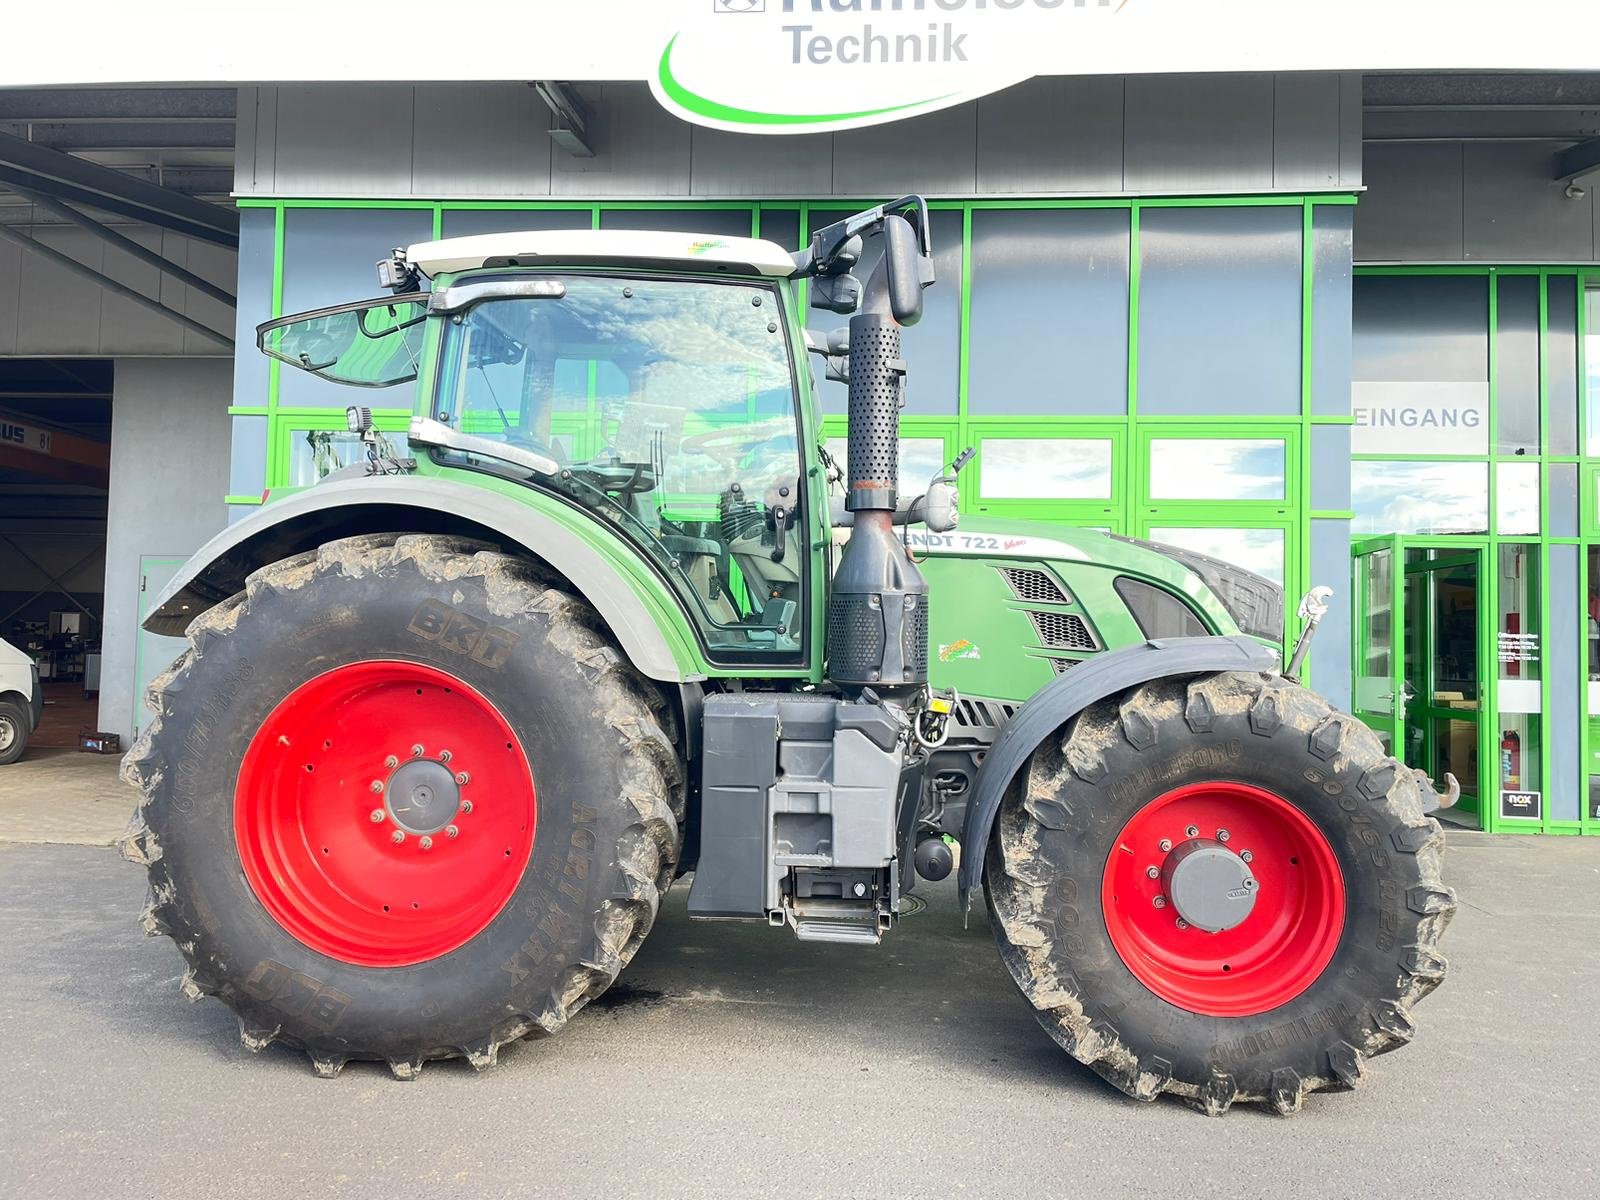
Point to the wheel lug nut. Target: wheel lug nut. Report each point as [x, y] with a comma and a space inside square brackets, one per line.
[377, 816]
[1223, 835]
[376, 785]
[466, 807]
[1192, 831]
[1182, 924]
[391, 762]
[463, 778]
[1246, 855]
[444, 756]
[426, 843]
[1159, 902]
[416, 751]
[451, 831]
[1166, 844]
[1153, 872]
[398, 836]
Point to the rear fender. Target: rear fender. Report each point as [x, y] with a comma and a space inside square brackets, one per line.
[422, 504]
[1068, 695]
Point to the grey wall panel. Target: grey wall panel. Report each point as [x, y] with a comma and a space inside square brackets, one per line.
[743, 164]
[1332, 245]
[10, 295]
[1330, 651]
[218, 265]
[1049, 322]
[247, 462]
[1350, 126]
[1305, 131]
[1330, 467]
[169, 471]
[1564, 499]
[1413, 206]
[1052, 134]
[1515, 212]
[937, 153]
[480, 139]
[245, 141]
[463, 222]
[1561, 366]
[129, 328]
[1563, 801]
[255, 304]
[1219, 311]
[62, 312]
[344, 139]
[1198, 133]
[1517, 365]
[640, 148]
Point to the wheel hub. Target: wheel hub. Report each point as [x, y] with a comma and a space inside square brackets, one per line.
[1211, 887]
[422, 796]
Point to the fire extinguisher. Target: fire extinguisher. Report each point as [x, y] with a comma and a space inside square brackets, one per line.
[1511, 760]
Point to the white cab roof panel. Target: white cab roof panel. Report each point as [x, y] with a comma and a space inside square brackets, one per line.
[608, 247]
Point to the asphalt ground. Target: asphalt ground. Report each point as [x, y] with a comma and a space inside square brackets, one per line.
[731, 1060]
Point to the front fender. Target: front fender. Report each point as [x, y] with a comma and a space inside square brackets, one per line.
[1068, 695]
[641, 621]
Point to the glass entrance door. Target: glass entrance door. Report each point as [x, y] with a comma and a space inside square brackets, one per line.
[1421, 666]
[1379, 639]
[1445, 668]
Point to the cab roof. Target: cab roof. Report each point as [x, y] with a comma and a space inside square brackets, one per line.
[606, 247]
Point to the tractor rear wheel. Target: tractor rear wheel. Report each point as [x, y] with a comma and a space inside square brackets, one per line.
[1220, 888]
[403, 799]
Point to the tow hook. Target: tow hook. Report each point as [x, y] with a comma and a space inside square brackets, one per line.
[1446, 799]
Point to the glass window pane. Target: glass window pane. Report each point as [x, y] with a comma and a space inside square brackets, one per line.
[1516, 498]
[1517, 387]
[1419, 497]
[920, 460]
[1591, 360]
[1421, 376]
[468, 221]
[720, 222]
[1258, 550]
[1216, 469]
[1046, 469]
[781, 225]
[1219, 310]
[932, 346]
[1561, 355]
[1564, 499]
[1049, 287]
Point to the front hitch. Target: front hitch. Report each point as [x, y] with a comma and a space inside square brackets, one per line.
[1452, 792]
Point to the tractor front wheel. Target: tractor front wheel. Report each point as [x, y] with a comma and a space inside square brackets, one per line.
[1220, 888]
[403, 799]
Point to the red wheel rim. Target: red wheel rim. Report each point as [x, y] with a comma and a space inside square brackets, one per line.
[1270, 956]
[385, 813]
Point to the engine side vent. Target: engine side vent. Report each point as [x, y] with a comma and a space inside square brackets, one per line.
[1031, 584]
[1062, 631]
[1062, 665]
[975, 714]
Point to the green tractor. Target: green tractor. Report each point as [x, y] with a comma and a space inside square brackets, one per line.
[451, 721]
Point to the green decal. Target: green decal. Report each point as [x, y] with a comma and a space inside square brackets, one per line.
[704, 106]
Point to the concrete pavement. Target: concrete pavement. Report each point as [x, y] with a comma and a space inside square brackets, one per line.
[730, 1059]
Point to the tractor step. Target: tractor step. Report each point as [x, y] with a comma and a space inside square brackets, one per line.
[857, 933]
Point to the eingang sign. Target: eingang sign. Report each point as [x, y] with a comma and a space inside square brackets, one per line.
[782, 66]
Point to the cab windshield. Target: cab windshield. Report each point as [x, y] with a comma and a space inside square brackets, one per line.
[669, 406]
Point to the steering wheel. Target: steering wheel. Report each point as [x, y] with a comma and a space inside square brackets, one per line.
[615, 475]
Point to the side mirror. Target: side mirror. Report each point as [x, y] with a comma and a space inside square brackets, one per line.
[903, 256]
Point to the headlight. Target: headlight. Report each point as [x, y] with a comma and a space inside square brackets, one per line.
[1255, 603]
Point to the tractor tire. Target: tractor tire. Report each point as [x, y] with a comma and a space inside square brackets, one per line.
[1274, 988]
[13, 731]
[403, 799]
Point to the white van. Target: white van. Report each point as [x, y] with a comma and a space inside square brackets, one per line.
[21, 702]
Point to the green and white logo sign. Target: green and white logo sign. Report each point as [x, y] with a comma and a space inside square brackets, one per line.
[808, 66]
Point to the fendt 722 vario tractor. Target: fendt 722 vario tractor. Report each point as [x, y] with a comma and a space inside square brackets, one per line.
[452, 720]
